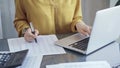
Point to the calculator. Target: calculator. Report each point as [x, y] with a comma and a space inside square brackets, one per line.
[12, 59]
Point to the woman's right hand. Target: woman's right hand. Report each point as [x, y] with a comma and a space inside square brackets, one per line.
[29, 36]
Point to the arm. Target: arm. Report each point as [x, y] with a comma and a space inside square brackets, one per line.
[20, 21]
[78, 24]
[77, 16]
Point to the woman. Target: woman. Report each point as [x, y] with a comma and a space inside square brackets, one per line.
[49, 17]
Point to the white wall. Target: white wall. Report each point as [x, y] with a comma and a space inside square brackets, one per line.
[1, 32]
[90, 7]
[113, 2]
[7, 15]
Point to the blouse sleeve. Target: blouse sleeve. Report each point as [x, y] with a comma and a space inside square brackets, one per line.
[77, 16]
[20, 21]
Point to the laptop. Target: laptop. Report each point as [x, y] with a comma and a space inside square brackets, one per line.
[104, 32]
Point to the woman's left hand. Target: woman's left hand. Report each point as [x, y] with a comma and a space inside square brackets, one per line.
[83, 29]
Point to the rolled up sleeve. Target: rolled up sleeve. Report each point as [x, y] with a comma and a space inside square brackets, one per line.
[77, 16]
[20, 21]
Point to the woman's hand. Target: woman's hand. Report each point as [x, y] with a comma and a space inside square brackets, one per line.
[83, 29]
[29, 36]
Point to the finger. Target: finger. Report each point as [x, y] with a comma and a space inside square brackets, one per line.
[36, 32]
[29, 35]
[90, 29]
[87, 30]
[28, 30]
[29, 39]
[82, 32]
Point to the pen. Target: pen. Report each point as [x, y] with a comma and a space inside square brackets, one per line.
[33, 31]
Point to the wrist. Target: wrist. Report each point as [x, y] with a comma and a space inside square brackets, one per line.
[24, 31]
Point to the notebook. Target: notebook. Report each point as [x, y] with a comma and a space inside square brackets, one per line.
[105, 31]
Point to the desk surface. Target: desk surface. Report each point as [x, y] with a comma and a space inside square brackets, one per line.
[4, 45]
[110, 53]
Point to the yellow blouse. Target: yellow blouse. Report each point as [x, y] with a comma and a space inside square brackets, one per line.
[48, 16]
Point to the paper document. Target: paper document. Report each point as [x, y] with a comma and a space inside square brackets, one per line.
[31, 62]
[44, 46]
[90, 64]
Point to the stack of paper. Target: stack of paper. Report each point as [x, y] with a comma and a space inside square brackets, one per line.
[90, 64]
[44, 46]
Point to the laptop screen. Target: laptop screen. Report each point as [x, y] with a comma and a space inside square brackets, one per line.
[105, 28]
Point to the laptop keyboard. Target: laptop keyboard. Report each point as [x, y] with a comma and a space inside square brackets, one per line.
[82, 44]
